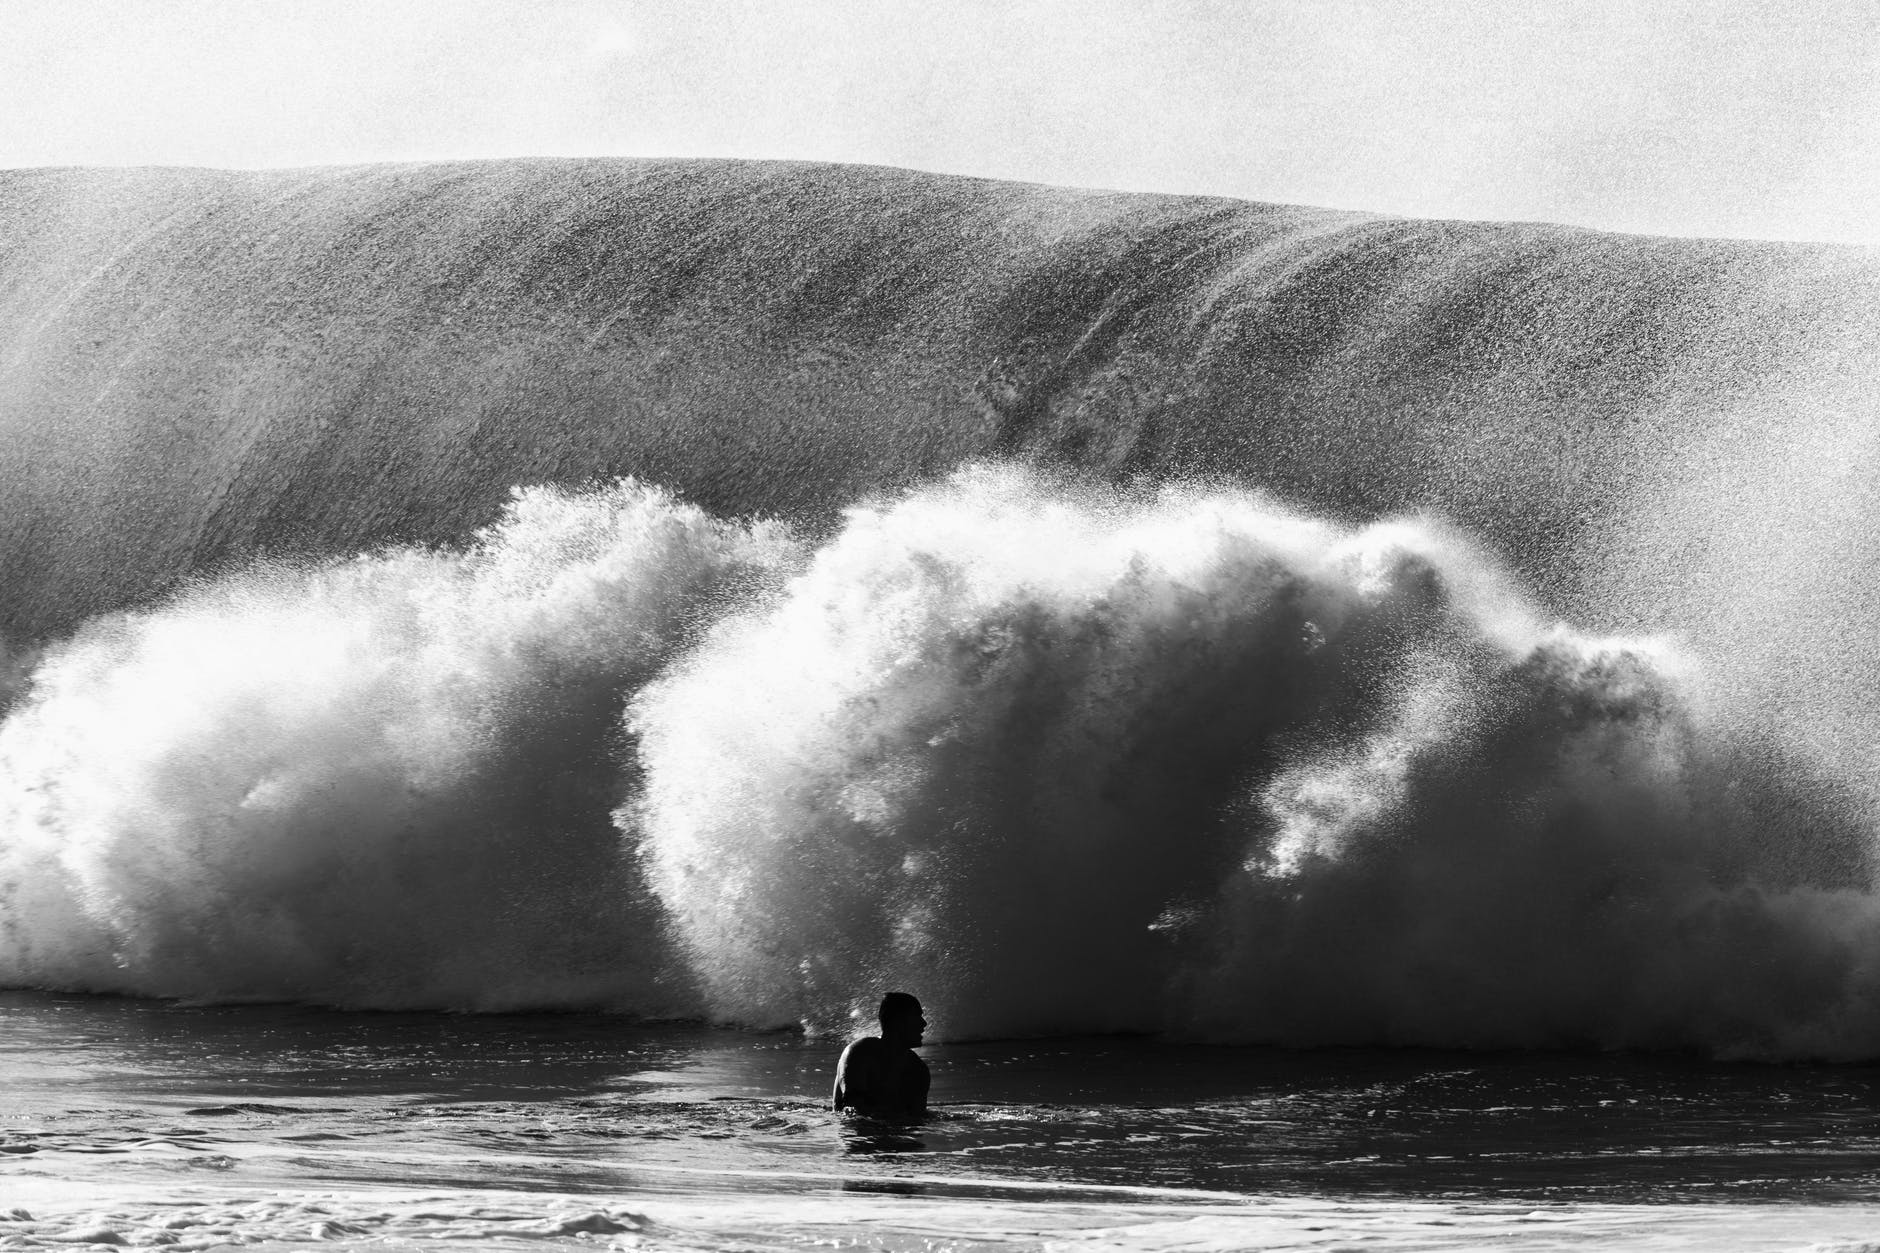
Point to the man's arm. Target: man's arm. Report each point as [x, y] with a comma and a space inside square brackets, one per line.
[922, 1082]
[856, 1077]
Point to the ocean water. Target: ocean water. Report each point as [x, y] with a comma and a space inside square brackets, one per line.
[140, 1122]
[1360, 732]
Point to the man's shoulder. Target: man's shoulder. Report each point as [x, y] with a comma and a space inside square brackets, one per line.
[863, 1048]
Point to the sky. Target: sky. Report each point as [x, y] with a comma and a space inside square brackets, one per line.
[1697, 117]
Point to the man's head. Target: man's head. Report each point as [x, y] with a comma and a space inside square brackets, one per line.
[901, 1020]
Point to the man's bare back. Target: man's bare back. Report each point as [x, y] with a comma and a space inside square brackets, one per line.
[880, 1075]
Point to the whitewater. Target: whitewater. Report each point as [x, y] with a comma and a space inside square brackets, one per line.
[640, 607]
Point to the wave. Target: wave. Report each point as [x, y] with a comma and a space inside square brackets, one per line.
[198, 367]
[1188, 761]
[1227, 696]
[1062, 757]
[382, 782]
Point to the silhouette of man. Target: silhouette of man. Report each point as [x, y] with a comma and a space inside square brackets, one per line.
[880, 1076]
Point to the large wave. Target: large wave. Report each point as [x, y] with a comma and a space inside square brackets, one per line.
[1075, 761]
[1058, 756]
[379, 782]
[200, 367]
[1061, 754]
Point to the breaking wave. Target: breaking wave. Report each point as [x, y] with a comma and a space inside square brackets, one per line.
[1058, 757]
[380, 782]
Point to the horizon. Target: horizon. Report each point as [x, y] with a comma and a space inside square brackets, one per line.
[1699, 118]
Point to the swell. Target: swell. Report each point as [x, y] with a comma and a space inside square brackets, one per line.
[198, 366]
[1236, 702]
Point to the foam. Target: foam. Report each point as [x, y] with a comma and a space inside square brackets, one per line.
[1078, 760]
[910, 1215]
[1057, 757]
[379, 782]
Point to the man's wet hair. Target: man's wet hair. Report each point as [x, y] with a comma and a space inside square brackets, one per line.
[895, 1004]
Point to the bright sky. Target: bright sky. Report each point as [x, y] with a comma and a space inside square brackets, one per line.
[1752, 117]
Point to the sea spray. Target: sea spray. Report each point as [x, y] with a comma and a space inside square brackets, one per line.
[1084, 760]
[1549, 847]
[1059, 757]
[380, 782]
[994, 741]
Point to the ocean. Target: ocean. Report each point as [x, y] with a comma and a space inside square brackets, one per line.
[1358, 731]
[140, 1122]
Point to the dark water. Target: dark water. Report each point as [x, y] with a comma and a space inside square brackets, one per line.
[571, 1101]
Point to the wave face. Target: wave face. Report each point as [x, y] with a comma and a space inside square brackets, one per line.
[1346, 630]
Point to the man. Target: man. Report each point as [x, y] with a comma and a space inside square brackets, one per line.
[879, 1076]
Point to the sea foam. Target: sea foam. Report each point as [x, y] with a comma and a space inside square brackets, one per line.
[380, 782]
[1057, 757]
[1081, 760]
